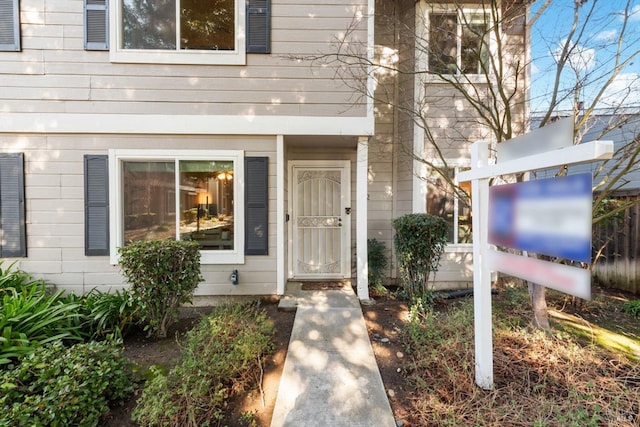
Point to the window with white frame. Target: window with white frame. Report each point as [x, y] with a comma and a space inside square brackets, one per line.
[179, 31]
[181, 195]
[458, 40]
[451, 201]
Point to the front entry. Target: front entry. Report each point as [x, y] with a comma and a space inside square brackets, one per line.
[320, 195]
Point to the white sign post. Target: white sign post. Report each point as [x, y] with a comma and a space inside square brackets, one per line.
[569, 279]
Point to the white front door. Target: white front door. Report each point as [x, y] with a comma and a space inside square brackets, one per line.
[320, 219]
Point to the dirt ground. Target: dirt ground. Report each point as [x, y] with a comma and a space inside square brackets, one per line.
[382, 320]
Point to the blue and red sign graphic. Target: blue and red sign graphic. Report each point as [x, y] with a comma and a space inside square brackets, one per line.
[548, 216]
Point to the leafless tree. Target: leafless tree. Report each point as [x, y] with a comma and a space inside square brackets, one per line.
[458, 76]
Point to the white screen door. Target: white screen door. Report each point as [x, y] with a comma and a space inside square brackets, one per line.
[320, 219]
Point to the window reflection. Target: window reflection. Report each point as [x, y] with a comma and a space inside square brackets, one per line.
[443, 41]
[443, 201]
[458, 43]
[206, 202]
[202, 25]
[149, 200]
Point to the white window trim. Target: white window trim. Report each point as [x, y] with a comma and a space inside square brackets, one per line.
[456, 164]
[205, 57]
[423, 22]
[116, 158]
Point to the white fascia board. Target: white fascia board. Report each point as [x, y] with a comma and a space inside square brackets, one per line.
[184, 124]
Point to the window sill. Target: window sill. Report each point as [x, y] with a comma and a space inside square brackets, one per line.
[206, 258]
[179, 57]
[448, 79]
[221, 257]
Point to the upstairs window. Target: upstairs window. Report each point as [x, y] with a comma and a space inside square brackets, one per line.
[179, 25]
[179, 31]
[458, 41]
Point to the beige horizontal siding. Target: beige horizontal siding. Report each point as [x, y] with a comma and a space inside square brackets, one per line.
[54, 190]
[54, 73]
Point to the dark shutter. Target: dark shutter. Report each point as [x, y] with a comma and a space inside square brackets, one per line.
[256, 216]
[96, 24]
[96, 205]
[9, 25]
[258, 26]
[13, 241]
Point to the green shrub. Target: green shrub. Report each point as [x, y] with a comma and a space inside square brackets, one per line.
[110, 314]
[222, 356]
[62, 386]
[31, 318]
[13, 279]
[420, 240]
[163, 275]
[632, 308]
[377, 261]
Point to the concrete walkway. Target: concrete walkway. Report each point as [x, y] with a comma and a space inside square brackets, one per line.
[330, 376]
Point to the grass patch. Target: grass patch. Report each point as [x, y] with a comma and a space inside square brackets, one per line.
[540, 379]
[590, 333]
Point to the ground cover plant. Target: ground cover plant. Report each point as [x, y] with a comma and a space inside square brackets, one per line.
[52, 369]
[220, 359]
[62, 386]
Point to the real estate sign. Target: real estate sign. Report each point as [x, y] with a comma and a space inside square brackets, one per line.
[548, 216]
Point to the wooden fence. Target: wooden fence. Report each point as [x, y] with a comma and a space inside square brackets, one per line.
[618, 239]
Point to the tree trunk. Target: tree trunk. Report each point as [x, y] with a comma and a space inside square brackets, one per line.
[540, 318]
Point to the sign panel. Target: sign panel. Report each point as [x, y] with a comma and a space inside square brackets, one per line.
[564, 278]
[548, 216]
[553, 136]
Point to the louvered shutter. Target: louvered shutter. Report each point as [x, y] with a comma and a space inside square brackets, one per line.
[13, 242]
[96, 205]
[9, 25]
[256, 201]
[258, 26]
[96, 24]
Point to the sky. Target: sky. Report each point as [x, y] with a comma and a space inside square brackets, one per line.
[593, 56]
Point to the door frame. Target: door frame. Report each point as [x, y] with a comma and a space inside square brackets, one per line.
[345, 198]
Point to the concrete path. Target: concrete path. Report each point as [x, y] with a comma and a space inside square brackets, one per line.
[330, 376]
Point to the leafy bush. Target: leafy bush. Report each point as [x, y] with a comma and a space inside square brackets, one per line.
[60, 386]
[420, 240]
[222, 356]
[163, 275]
[632, 308]
[31, 318]
[14, 279]
[110, 313]
[377, 264]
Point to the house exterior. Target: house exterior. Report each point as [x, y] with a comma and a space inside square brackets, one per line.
[226, 123]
